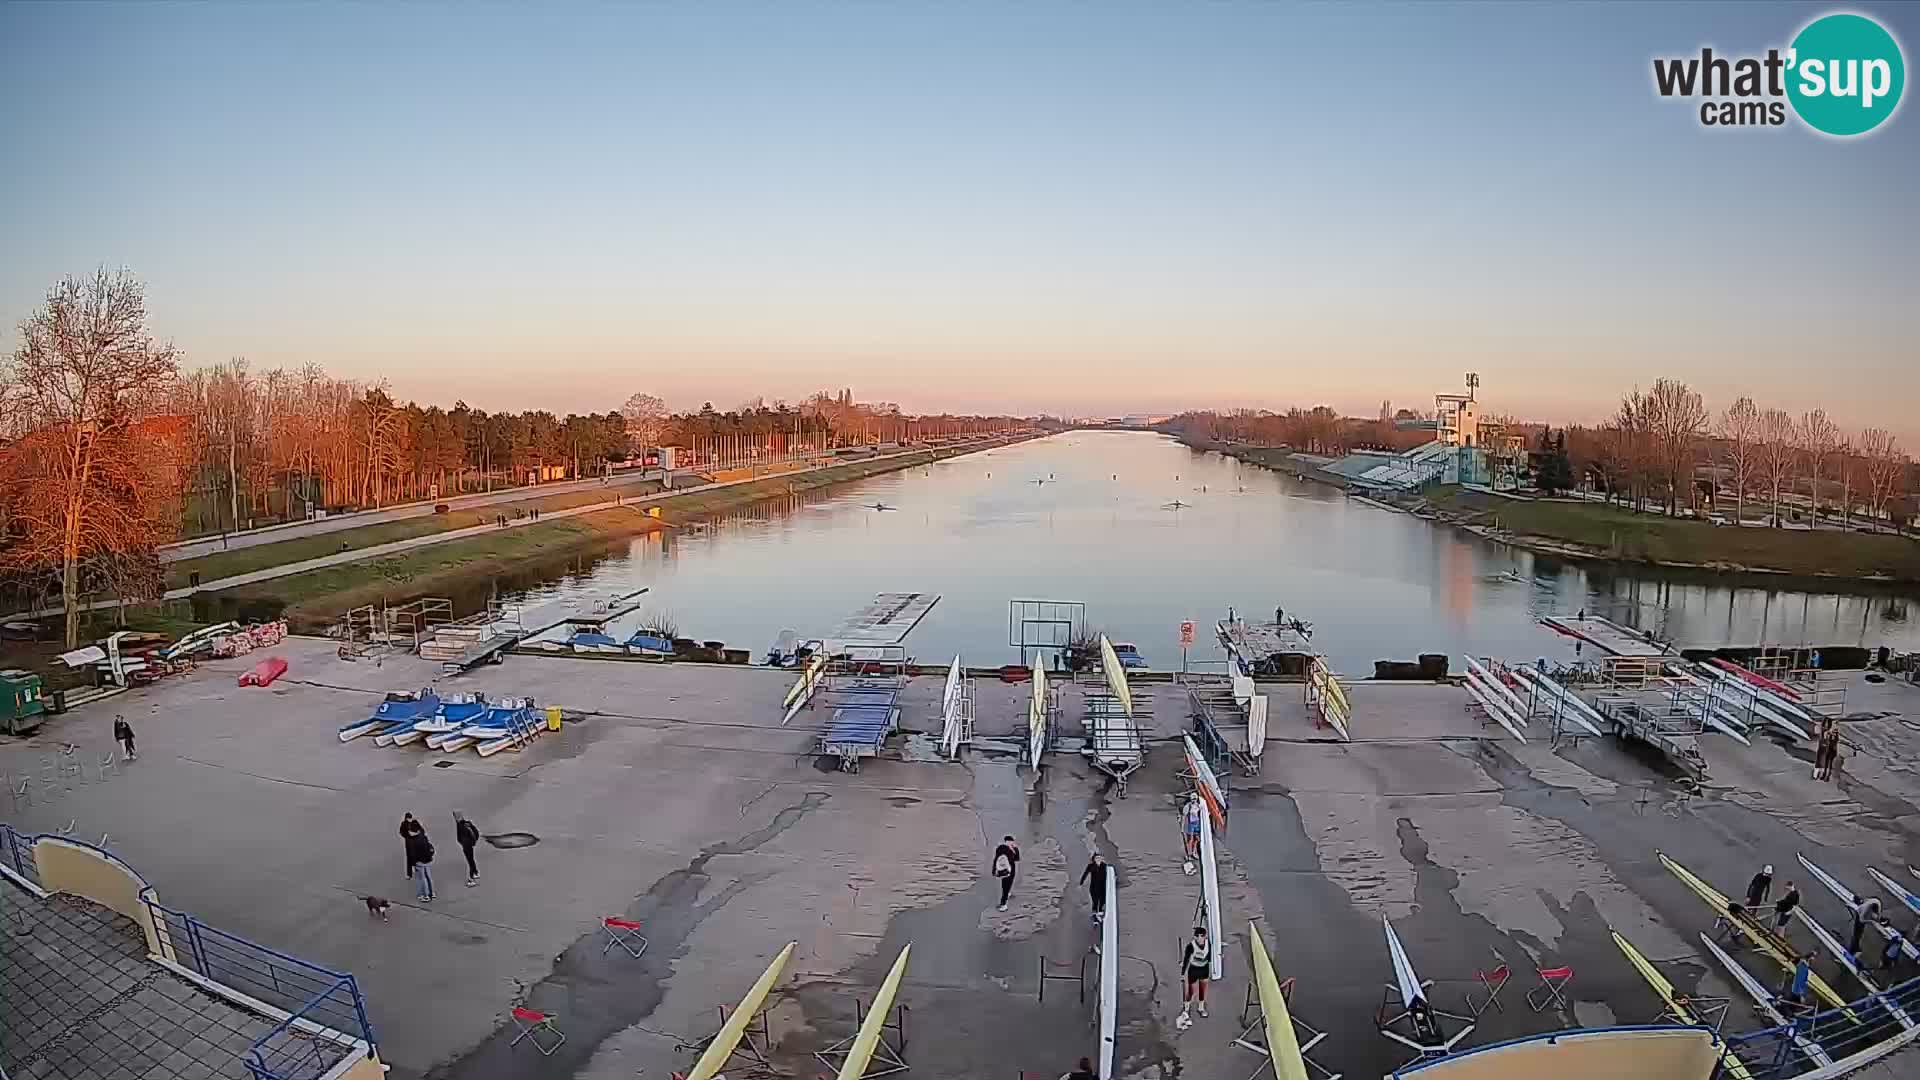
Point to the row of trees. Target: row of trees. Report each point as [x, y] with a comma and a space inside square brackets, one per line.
[1664, 446]
[112, 449]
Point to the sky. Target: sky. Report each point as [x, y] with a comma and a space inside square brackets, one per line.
[1066, 207]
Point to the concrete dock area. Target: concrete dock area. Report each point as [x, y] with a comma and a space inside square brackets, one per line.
[678, 800]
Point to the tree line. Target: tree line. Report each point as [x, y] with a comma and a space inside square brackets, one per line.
[1662, 448]
[113, 446]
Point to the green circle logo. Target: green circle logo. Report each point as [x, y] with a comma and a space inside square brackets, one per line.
[1845, 74]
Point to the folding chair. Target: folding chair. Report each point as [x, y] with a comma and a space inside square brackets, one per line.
[532, 1023]
[1494, 981]
[624, 933]
[1552, 988]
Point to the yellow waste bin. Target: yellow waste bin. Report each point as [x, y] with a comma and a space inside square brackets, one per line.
[553, 718]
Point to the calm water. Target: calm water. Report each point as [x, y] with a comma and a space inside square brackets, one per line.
[980, 531]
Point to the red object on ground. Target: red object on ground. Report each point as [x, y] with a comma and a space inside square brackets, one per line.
[265, 672]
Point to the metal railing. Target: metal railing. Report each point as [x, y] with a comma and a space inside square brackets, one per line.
[326, 1014]
[1773, 1054]
[16, 853]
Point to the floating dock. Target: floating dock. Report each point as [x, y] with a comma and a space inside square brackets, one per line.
[1268, 650]
[1603, 632]
[886, 620]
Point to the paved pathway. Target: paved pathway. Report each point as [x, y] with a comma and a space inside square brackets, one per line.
[381, 550]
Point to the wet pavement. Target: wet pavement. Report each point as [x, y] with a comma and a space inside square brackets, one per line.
[679, 801]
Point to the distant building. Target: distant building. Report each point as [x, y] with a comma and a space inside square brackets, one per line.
[1458, 416]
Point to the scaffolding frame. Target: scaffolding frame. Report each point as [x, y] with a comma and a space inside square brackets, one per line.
[1045, 625]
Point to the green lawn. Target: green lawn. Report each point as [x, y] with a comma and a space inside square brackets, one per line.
[312, 598]
[1625, 534]
[259, 557]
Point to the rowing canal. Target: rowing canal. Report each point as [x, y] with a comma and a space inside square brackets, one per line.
[1089, 516]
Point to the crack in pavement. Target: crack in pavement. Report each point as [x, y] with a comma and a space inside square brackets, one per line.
[600, 995]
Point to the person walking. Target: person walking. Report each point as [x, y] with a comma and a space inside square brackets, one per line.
[1084, 1071]
[420, 858]
[409, 827]
[1783, 907]
[1190, 827]
[1197, 960]
[1759, 887]
[467, 834]
[1095, 879]
[1006, 862]
[123, 734]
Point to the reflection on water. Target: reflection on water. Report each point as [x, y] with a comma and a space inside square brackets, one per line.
[1098, 527]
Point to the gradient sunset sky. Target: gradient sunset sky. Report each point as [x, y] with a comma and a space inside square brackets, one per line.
[1072, 207]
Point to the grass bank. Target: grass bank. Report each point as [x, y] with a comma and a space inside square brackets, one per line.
[312, 599]
[1596, 530]
[259, 557]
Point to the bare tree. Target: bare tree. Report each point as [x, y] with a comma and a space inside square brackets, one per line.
[1818, 437]
[1779, 450]
[1628, 447]
[1739, 431]
[1848, 466]
[1676, 417]
[646, 418]
[1885, 465]
[85, 376]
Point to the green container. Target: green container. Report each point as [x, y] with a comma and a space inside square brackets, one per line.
[21, 703]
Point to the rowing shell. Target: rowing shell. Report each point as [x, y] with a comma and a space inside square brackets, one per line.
[1840, 953]
[1735, 1067]
[1037, 718]
[802, 691]
[1109, 974]
[721, 1048]
[1210, 899]
[1763, 1001]
[1849, 898]
[869, 1037]
[1495, 706]
[1403, 972]
[1333, 696]
[1205, 782]
[1899, 892]
[1283, 1049]
[1752, 931]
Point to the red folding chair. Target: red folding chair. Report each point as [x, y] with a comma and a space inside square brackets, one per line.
[533, 1024]
[1552, 988]
[624, 933]
[1494, 981]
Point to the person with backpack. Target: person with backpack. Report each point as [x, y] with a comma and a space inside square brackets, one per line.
[1006, 862]
[408, 826]
[420, 859]
[467, 834]
[123, 734]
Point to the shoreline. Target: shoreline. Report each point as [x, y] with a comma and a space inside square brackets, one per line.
[1420, 506]
[312, 599]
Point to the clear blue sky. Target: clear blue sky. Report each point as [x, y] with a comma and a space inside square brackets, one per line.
[1069, 206]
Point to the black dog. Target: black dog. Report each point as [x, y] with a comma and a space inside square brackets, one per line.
[378, 905]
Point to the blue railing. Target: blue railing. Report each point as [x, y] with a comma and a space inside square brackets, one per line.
[313, 997]
[16, 853]
[1773, 1053]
